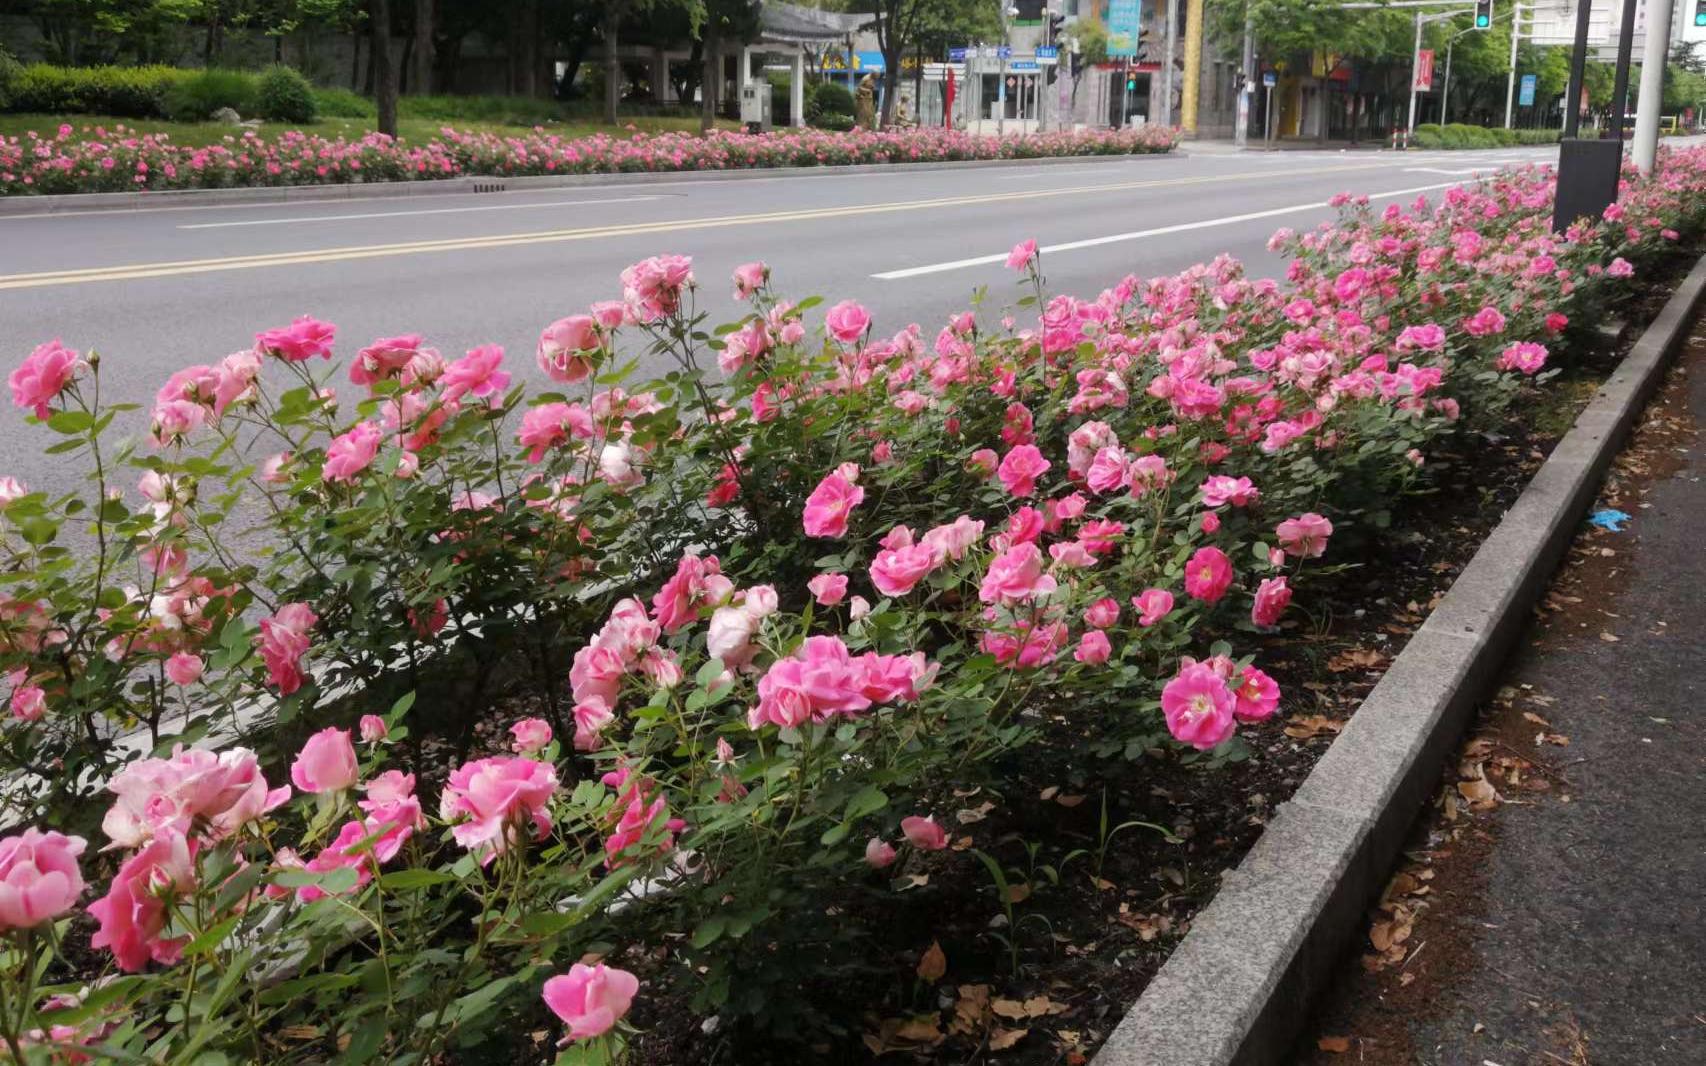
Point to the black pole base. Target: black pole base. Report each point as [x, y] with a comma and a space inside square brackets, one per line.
[1587, 180]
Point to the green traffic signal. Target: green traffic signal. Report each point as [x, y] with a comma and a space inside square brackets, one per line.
[1481, 20]
[1700, 18]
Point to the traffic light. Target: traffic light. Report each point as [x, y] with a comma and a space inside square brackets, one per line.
[1700, 12]
[1057, 24]
[1484, 14]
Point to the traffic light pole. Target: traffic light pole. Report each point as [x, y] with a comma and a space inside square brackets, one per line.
[1510, 76]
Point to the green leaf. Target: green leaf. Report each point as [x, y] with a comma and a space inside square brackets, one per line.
[709, 931]
[867, 800]
[411, 880]
[332, 882]
[70, 422]
[212, 936]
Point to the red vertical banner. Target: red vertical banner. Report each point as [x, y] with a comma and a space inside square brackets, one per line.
[1424, 80]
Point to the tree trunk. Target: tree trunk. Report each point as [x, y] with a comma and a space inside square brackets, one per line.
[423, 47]
[406, 66]
[612, 67]
[355, 64]
[384, 74]
[710, 80]
[891, 85]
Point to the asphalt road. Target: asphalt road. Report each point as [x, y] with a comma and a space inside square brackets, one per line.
[157, 289]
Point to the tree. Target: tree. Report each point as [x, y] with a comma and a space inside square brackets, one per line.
[725, 20]
[613, 12]
[384, 72]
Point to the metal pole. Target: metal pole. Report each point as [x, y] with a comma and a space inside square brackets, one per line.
[1268, 120]
[1510, 76]
[1001, 79]
[1445, 90]
[1415, 64]
[1578, 68]
[1125, 94]
[1651, 102]
[1620, 87]
[1167, 61]
[1241, 133]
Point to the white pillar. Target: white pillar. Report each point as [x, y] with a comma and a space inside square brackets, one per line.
[743, 68]
[1651, 101]
[662, 90]
[797, 89]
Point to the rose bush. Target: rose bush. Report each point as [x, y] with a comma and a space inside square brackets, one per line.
[771, 616]
[122, 159]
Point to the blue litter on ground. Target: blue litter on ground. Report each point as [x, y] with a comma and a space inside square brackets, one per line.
[1608, 519]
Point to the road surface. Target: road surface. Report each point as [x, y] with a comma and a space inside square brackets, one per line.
[157, 289]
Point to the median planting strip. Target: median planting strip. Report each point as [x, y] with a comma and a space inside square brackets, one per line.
[1239, 986]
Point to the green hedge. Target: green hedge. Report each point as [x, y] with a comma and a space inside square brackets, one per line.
[128, 92]
[197, 97]
[284, 95]
[1458, 135]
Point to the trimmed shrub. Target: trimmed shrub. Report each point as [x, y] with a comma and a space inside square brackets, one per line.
[128, 92]
[827, 104]
[341, 103]
[203, 92]
[508, 110]
[283, 95]
[9, 69]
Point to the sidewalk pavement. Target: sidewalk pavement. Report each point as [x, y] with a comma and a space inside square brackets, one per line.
[1553, 906]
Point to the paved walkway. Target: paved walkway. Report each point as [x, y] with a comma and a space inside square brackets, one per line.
[1565, 920]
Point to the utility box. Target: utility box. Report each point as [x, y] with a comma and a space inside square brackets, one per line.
[755, 107]
[1587, 179]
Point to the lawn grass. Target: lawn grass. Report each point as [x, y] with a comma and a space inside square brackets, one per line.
[411, 129]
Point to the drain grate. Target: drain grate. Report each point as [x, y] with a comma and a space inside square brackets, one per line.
[488, 186]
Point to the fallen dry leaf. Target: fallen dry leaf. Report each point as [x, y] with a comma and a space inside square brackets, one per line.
[1008, 1008]
[1069, 801]
[1479, 792]
[1530, 716]
[971, 1010]
[933, 964]
[1336, 1045]
[1001, 1039]
[1356, 659]
[974, 814]
[1610, 638]
[1018, 893]
[1309, 726]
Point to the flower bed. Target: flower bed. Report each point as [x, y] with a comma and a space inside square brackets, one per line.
[123, 160]
[781, 629]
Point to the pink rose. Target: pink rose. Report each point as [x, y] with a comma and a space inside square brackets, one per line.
[1022, 255]
[1093, 648]
[283, 642]
[135, 911]
[43, 376]
[1525, 356]
[184, 669]
[384, 359]
[1220, 490]
[28, 703]
[590, 999]
[749, 278]
[879, 853]
[896, 571]
[923, 833]
[273, 469]
[1198, 707]
[350, 453]
[303, 339]
[1152, 606]
[1305, 536]
[830, 505]
[983, 462]
[531, 735]
[1016, 576]
[1272, 598]
[1103, 613]
[1208, 574]
[828, 589]
[1020, 469]
[39, 877]
[564, 346]
[373, 729]
[326, 762]
[1257, 696]
[477, 374]
[847, 321]
[491, 800]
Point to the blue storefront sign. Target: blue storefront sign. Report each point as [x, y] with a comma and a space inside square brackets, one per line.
[1525, 95]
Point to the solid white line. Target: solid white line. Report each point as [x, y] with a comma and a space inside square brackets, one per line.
[424, 211]
[1114, 238]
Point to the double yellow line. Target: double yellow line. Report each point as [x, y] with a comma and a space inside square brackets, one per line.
[174, 268]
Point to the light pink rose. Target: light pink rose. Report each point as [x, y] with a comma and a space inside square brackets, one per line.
[1103, 613]
[1020, 469]
[303, 339]
[530, 735]
[847, 321]
[373, 729]
[565, 348]
[1272, 598]
[1152, 606]
[490, 801]
[1304, 536]
[1022, 255]
[749, 278]
[326, 762]
[350, 453]
[478, 374]
[29, 703]
[828, 589]
[184, 669]
[283, 642]
[45, 373]
[879, 853]
[39, 877]
[385, 359]
[192, 790]
[1016, 576]
[590, 999]
[1198, 707]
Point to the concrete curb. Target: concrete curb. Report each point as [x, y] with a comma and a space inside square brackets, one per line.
[1239, 987]
[27, 206]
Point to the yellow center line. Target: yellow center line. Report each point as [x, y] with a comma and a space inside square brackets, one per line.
[506, 240]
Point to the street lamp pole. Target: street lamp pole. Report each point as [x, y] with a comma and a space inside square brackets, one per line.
[1510, 76]
[1415, 63]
